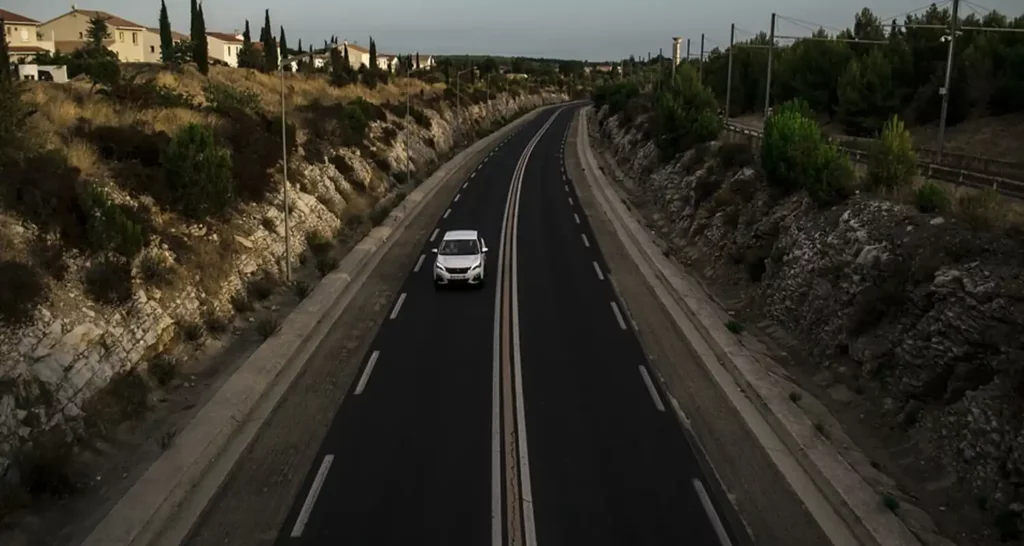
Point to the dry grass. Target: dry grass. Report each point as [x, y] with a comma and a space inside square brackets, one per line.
[83, 155]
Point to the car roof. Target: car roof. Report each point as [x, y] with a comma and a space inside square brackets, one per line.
[460, 234]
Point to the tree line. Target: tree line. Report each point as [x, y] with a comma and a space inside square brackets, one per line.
[862, 85]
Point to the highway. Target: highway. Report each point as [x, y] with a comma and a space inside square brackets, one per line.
[523, 412]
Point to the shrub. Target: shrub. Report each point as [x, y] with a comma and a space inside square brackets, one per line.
[214, 322]
[45, 466]
[198, 173]
[301, 289]
[48, 255]
[893, 163]
[318, 243]
[931, 198]
[147, 94]
[981, 209]
[109, 280]
[795, 156]
[193, 332]
[733, 155]
[735, 327]
[382, 164]
[241, 303]
[155, 270]
[23, 291]
[224, 98]
[326, 263]
[685, 114]
[163, 369]
[261, 286]
[267, 325]
[110, 226]
[43, 190]
[615, 95]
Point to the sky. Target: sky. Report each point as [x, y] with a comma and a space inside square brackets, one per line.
[576, 29]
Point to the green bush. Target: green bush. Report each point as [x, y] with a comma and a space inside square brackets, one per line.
[318, 243]
[931, 198]
[199, 174]
[893, 163]
[796, 156]
[685, 114]
[110, 226]
[109, 280]
[615, 95]
[23, 291]
[224, 98]
[146, 94]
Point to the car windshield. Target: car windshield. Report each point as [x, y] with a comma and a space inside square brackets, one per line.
[458, 247]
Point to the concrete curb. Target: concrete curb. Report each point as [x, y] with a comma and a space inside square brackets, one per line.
[140, 517]
[866, 522]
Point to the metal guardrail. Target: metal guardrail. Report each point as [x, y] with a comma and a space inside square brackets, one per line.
[1005, 186]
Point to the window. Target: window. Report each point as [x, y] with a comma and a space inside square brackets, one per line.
[135, 38]
[152, 49]
[120, 36]
[81, 36]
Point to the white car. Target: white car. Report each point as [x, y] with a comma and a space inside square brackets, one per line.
[461, 257]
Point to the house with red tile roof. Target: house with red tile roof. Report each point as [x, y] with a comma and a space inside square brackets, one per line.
[24, 39]
[70, 32]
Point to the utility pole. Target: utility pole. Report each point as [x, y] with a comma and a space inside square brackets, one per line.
[728, 85]
[687, 50]
[408, 158]
[768, 85]
[700, 67]
[949, 74]
[284, 167]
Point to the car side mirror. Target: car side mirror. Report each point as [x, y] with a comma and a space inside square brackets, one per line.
[484, 250]
[434, 250]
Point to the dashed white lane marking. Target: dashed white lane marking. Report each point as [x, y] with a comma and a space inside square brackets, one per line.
[457, 196]
[446, 213]
[367, 372]
[465, 185]
[570, 201]
[419, 262]
[618, 316]
[716, 522]
[566, 186]
[577, 217]
[564, 177]
[314, 492]
[650, 389]
[597, 269]
[586, 243]
[434, 235]
[473, 175]
[398, 305]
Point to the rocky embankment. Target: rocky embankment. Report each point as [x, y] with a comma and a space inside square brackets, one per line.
[190, 277]
[910, 326]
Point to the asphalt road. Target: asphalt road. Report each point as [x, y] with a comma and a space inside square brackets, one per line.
[411, 458]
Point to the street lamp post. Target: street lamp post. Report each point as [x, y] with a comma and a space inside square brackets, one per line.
[284, 171]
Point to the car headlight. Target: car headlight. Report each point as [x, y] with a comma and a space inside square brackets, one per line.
[438, 266]
[476, 266]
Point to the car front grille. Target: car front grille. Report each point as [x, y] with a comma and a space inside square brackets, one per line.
[458, 270]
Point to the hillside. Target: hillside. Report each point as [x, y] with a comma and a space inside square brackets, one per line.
[142, 222]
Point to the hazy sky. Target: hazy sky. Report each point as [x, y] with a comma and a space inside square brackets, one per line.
[580, 29]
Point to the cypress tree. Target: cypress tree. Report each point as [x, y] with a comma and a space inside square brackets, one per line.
[417, 60]
[284, 44]
[5, 64]
[373, 54]
[201, 51]
[299, 47]
[269, 46]
[166, 39]
[193, 20]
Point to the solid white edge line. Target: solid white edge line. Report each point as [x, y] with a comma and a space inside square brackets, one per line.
[586, 243]
[577, 217]
[650, 389]
[597, 269]
[434, 234]
[398, 306]
[366, 373]
[618, 316]
[446, 213]
[419, 262]
[314, 492]
[716, 522]
[457, 196]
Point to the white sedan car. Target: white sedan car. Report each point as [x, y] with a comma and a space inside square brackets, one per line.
[460, 258]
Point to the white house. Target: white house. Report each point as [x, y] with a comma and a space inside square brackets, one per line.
[224, 47]
[357, 54]
[387, 62]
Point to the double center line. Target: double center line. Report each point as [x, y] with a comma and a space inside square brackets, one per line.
[511, 513]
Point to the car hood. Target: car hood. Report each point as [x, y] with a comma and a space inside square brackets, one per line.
[458, 261]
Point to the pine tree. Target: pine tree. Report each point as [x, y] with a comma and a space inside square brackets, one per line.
[201, 54]
[97, 32]
[166, 39]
